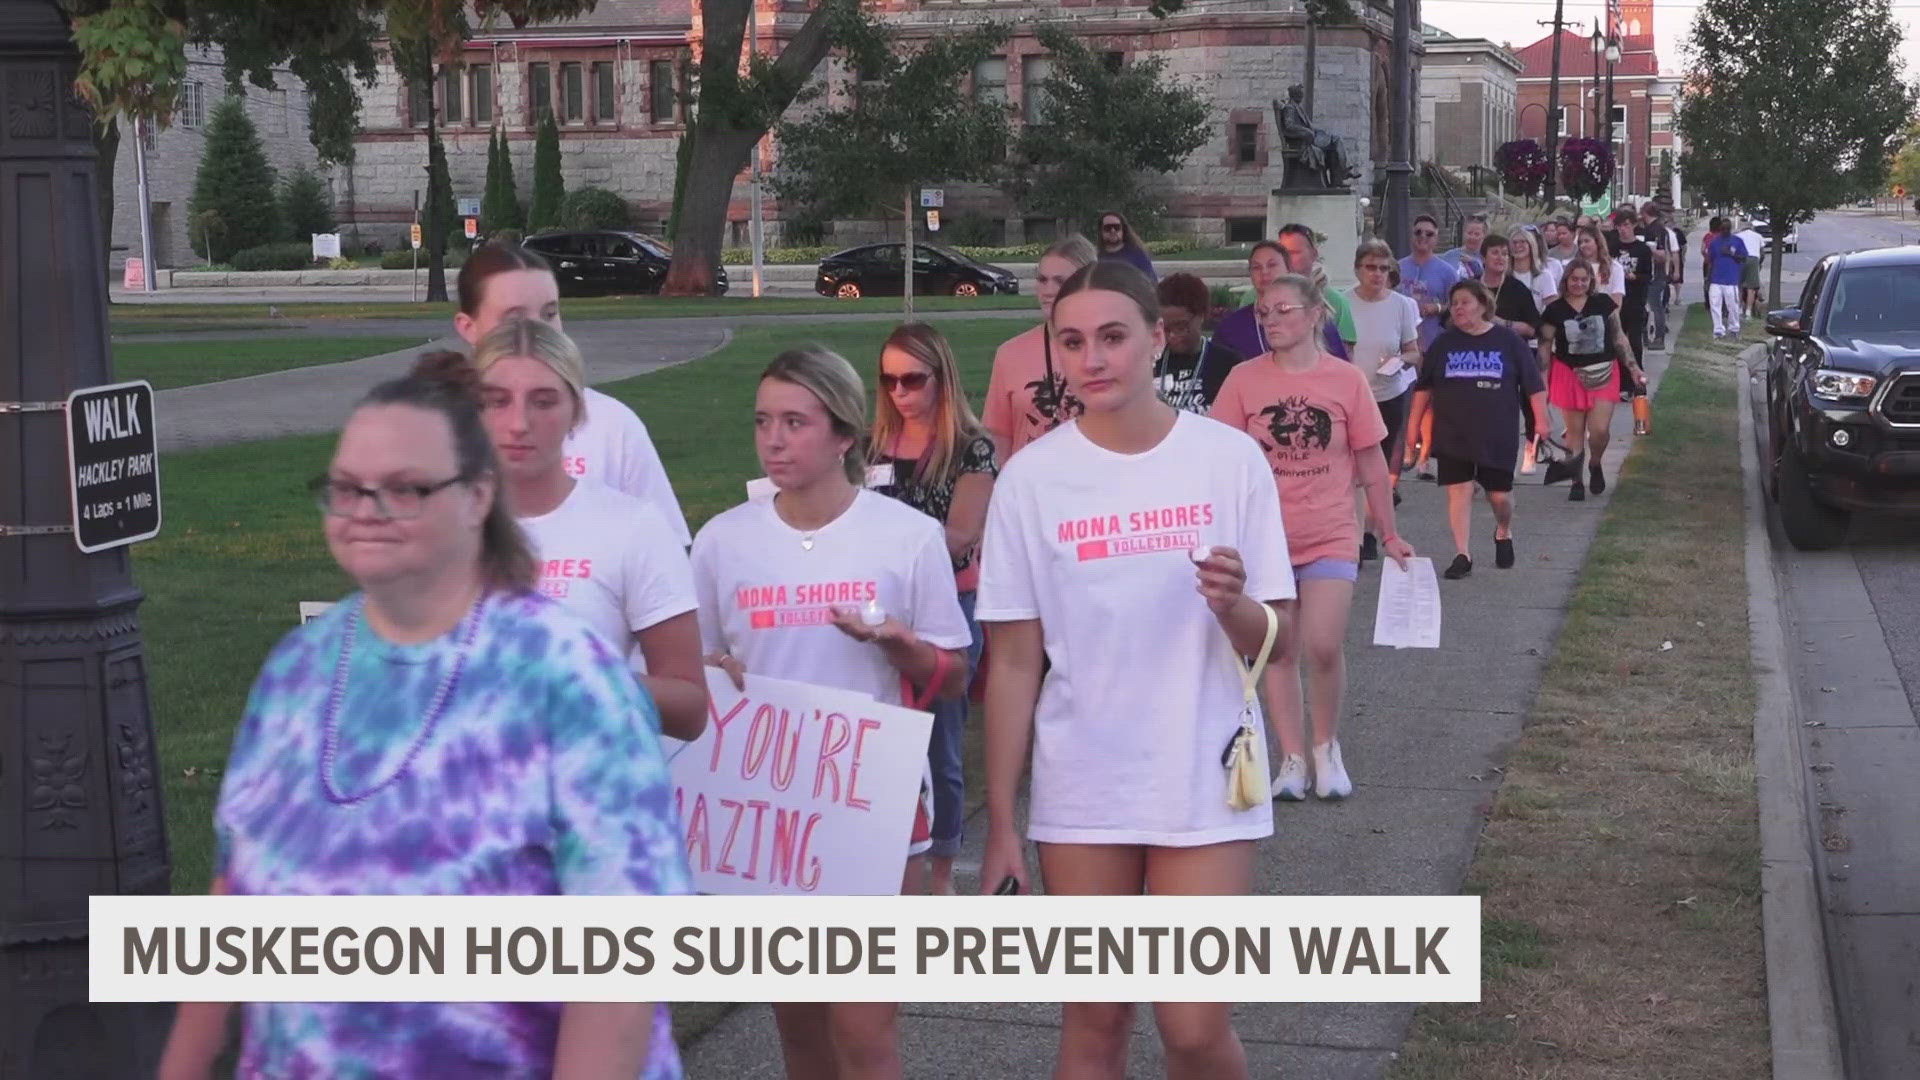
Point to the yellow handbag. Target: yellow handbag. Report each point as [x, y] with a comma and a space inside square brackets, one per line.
[1246, 771]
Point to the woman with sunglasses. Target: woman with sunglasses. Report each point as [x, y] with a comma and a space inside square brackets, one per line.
[603, 554]
[901, 627]
[1580, 341]
[1027, 396]
[611, 444]
[1090, 565]
[935, 457]
[1119, 243]
[1316, 419]
[445, 730]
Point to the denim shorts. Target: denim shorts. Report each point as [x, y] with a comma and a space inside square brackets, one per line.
[1328, 570]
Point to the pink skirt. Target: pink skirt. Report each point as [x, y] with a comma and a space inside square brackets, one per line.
[1565, 391]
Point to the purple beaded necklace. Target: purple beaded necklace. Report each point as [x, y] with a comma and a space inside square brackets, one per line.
[329, 729]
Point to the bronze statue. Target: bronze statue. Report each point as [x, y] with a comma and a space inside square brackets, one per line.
[1313, 158]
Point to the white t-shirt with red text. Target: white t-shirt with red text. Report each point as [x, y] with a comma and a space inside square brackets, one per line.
[767, 600]
[1143, 696]
[609, 558]
[612, 446]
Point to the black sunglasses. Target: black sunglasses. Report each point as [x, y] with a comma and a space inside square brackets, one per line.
[911, 381]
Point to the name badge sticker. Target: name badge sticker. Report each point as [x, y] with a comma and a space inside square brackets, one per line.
[879, 476]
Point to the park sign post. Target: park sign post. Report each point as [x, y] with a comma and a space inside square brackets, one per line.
[80, 778]
[113, 457]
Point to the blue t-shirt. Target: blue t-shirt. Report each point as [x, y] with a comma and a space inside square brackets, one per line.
[543, 774]
[1729, 257]
[1428, 281]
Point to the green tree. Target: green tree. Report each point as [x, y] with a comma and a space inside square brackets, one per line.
[1797, 107]
[1100, 131]
[304, 206]
[235, 182]
[549, 187]
[443, 218]
[904, 126]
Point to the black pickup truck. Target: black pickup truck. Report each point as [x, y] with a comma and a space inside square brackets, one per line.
[1843, 395]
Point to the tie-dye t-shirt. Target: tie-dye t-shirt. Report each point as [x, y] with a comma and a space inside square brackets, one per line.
[543, 775]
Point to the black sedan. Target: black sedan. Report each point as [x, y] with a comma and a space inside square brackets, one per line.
[879, 270]
[609, 261]
[1843, 395]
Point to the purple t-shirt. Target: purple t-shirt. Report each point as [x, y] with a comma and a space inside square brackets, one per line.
[1240, 331]
[1134, 257]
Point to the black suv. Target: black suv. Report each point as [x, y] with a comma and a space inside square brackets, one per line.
[1843, 395]
[610, 261]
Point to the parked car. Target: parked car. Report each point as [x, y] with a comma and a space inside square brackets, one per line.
[610, 261]
[879, 270]
[1762, 219]
[1843, 395]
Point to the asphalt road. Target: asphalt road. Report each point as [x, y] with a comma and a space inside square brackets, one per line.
[1853, 619]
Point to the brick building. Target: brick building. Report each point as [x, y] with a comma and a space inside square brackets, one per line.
[1469, 94]
[613, 78]
[173, 156]
[1643, 97]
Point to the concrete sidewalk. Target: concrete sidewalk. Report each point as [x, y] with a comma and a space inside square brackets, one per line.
[1424, 735]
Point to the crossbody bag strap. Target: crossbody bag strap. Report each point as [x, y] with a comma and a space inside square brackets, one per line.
[1250, 676]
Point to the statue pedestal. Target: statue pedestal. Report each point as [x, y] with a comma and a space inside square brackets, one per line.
[1333, 214]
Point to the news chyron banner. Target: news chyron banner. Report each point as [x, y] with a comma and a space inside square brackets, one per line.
[785, 948]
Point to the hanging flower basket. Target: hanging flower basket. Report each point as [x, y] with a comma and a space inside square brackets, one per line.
[1586, 168]
[1523, 167]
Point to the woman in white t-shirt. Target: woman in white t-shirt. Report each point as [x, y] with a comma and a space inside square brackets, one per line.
[1087, 565]
[1592, 250]
[610, 444]
[1387, 351]
[605, 555]
[1532, 268]
[831, 584]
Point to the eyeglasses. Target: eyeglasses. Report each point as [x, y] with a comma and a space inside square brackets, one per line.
[400, 502]
[1283, 309]
[1425, 232]
[1110, 226]
[911, 381]
[1376, 268]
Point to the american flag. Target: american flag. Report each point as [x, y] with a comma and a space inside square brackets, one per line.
[1613, 20]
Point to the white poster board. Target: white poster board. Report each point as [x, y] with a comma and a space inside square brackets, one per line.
[326, 245]
[799, 790]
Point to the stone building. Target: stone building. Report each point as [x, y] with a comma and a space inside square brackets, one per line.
[173, 156]
[1469, 93]
[613, 79]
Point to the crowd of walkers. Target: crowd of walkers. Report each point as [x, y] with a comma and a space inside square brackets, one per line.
[494, 708]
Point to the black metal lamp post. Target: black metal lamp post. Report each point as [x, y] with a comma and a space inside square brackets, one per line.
[80, 810]
[1396, 221]
[1613, 57]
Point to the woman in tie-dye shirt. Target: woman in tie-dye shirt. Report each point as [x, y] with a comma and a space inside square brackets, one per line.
[445, 731]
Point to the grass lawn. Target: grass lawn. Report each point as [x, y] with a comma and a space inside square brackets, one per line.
[242, 544]
[156, 318]
[1620, 871]
[167, 364]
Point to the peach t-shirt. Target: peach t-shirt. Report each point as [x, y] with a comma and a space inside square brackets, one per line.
[1026, 395]
[1311, 424]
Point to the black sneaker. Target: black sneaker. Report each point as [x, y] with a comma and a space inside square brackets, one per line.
[1578, 493]
[1396, 498]
[1596, 479]
[1459, 568]
[1503, 552]
[1369, 548]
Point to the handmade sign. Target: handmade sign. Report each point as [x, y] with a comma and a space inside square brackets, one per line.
[799, 789]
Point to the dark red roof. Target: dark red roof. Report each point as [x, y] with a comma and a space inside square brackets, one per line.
[1576, 59]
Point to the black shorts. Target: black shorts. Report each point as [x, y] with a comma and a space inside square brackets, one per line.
[1393, 413]
[1459, 471]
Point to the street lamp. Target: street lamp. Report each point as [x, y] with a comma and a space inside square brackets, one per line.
[1613, 57]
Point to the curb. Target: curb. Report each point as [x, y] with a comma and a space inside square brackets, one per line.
[1800, 1001]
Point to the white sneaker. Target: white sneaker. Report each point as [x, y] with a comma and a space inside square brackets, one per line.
[1329, 773]
[1291, 782]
